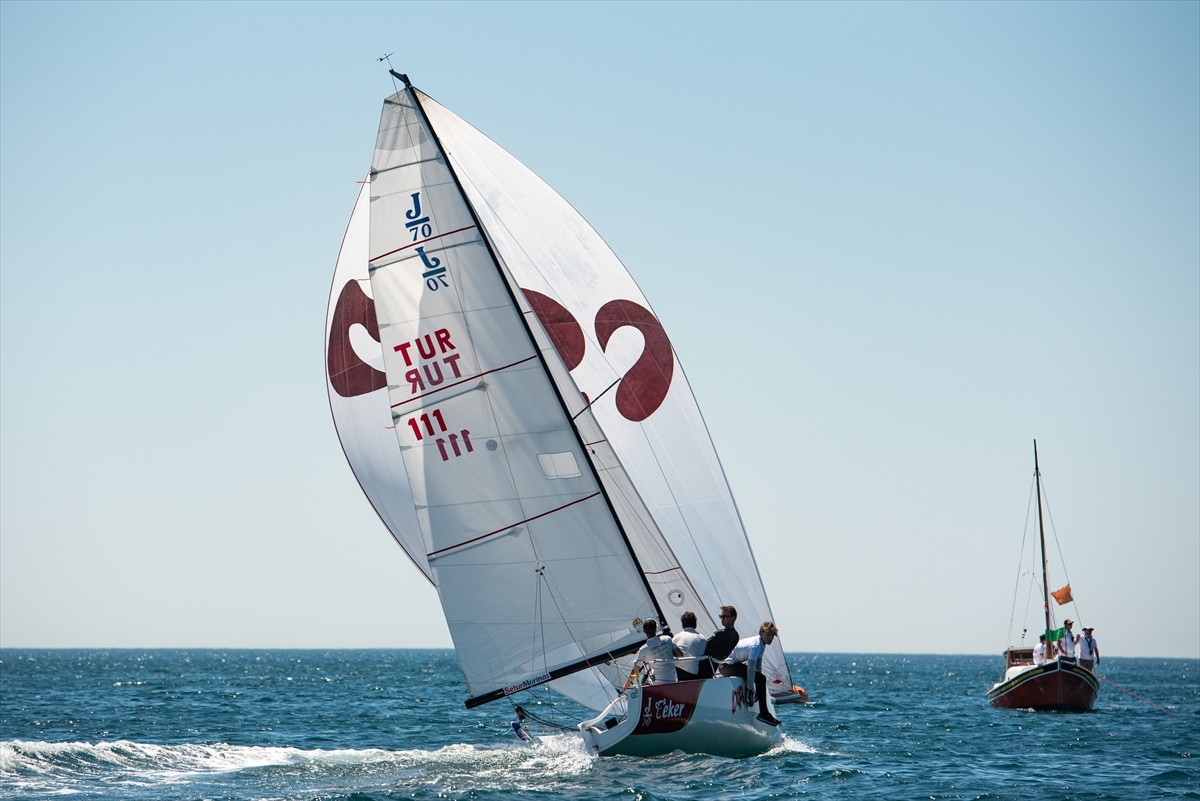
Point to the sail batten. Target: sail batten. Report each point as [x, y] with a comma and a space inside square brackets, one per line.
[512, 526]
[414, 245]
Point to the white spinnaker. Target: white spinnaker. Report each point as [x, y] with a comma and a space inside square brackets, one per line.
[669, 456]
[532, 571]
[357, 393]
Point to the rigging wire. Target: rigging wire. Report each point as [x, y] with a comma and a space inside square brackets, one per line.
[1012, 614]
[1061, 561]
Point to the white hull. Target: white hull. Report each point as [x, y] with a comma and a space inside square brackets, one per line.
[710, 716]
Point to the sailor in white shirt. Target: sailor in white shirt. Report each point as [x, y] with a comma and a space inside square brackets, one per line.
[692, 643]
[1089, 651]
[1066, 646]
[747, 662]
[1039, 650]
[656, 659]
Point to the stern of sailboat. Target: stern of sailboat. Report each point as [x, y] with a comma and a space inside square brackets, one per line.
[709, 716]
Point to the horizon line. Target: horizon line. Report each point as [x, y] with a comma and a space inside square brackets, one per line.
[451, 650]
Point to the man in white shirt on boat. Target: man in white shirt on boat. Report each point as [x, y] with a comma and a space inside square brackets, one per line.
[1066, 646]
[747, 659]
[1089, 651]
[1039, 650]
[692, 644]
[657, 655]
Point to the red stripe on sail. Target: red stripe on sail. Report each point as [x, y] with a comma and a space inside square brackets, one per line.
[512, 525]
[422, 242]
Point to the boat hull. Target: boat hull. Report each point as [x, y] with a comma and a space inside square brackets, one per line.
[709, 716]
[797, 695]
[1052, 686]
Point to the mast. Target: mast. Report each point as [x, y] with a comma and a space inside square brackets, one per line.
[587, 662]
[1042, 537]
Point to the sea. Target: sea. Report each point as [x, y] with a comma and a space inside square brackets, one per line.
[370, 725]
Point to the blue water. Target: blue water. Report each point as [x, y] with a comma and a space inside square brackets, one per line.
[133, 725]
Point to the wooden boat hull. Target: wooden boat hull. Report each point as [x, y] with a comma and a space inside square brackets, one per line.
[707, 716]
[1056, 686]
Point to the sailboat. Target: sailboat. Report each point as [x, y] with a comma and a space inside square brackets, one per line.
[518, 417]
[1058, 683]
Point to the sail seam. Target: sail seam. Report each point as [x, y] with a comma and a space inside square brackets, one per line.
[676, 569]
[402, 166]
[511, 526]
[464, 381]
[422, 242]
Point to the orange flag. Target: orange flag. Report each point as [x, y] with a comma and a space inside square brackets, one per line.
[1063, 595]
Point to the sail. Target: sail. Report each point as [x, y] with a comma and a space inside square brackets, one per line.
[356, 385]
[617, 368]
[535, 575]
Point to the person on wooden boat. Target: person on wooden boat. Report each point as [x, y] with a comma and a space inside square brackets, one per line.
[692, 644]
[1089, 651]
[745, 657]
[657, 656]
[1066, 646]
[1039, 650]
[719, 645]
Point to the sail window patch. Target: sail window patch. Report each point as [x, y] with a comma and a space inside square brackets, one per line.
[559, 465]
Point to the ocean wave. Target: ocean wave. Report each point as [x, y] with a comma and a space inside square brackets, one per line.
[80, 758]
[59, 767]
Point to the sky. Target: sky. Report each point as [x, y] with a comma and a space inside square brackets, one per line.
[907, 239]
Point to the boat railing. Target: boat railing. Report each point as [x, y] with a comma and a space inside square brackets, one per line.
[614, 713]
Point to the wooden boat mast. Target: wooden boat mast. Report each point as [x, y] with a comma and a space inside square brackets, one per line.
[1037, 473]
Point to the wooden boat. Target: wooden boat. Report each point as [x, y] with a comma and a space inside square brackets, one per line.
[1057, 684]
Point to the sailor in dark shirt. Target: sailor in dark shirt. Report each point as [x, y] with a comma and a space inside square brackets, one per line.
[721, 643]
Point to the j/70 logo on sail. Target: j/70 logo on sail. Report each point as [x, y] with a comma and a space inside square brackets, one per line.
[421, 228]
[642, 389]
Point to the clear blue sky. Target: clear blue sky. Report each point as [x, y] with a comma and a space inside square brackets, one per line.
[893, 244]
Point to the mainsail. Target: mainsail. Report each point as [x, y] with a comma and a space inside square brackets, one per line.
[564, 483]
